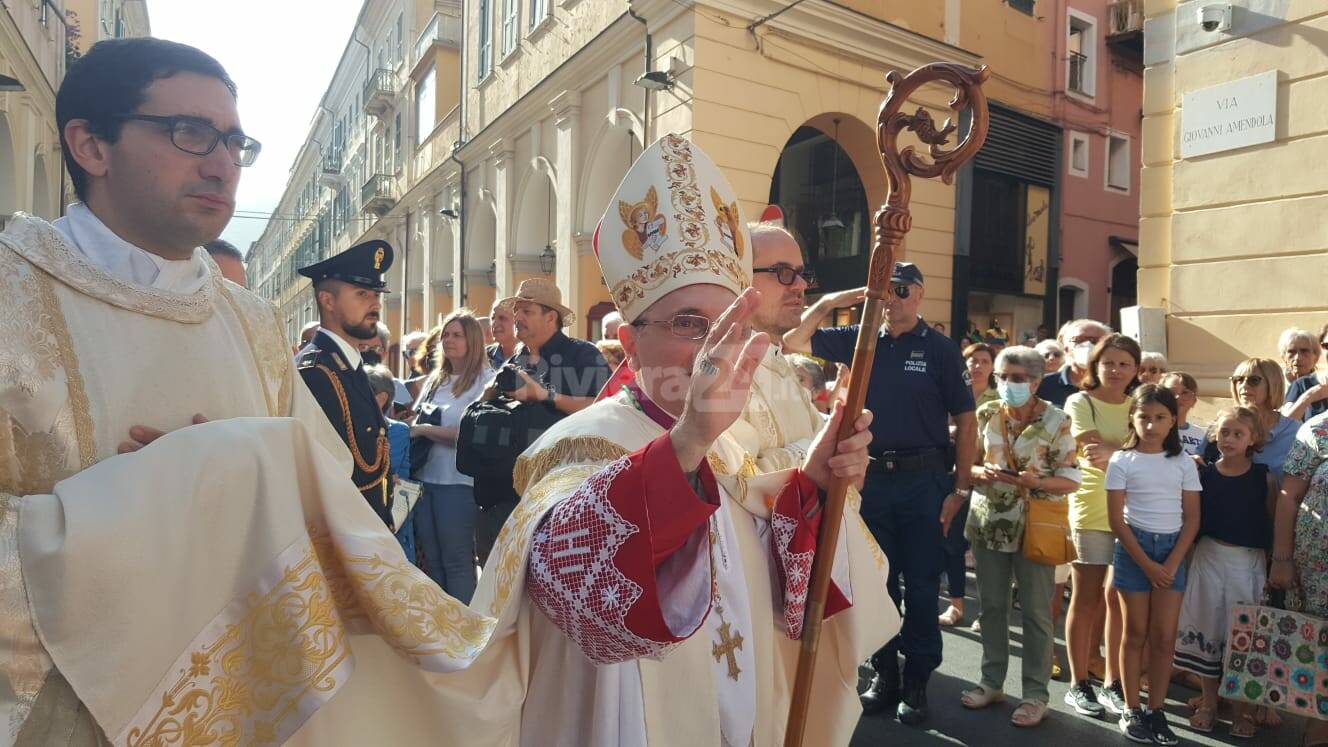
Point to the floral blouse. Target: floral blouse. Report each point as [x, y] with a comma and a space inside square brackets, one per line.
[1308, 460]
[996, 514]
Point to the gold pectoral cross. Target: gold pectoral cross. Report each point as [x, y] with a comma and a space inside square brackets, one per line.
[726, 646]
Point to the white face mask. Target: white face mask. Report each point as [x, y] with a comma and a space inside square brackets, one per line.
[1014, 395]
[1081, 353]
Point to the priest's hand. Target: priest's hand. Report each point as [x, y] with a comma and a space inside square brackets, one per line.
[721, 379]
[142, 435]
[847, 458]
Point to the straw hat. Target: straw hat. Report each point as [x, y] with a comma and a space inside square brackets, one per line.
[543, 292]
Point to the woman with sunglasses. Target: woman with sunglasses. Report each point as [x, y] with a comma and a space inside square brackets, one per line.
[1053, 355]
[1258, 383]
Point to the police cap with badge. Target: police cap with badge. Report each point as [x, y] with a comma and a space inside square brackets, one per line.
[364, 265]
[343, 392]
[905, 274]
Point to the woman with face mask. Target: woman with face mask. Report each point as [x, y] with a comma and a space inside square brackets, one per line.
[1025, 453]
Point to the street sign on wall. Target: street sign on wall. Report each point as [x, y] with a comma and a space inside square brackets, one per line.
[1230, 115]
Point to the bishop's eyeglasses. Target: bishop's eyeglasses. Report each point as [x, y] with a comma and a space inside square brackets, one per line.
[686, 326]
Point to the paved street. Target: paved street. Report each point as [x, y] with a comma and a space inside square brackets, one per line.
[952, 724]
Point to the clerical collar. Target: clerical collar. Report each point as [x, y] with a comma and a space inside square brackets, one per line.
[85, 232]
[352, 353]
[645, 405]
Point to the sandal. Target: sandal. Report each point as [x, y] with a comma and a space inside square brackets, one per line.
[1244, 727]
[1029, 713]
[950, 618]
[981, 697]
[1203, 718]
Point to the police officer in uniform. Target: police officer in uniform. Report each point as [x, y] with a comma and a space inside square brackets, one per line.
[918, 383]
[348, 290]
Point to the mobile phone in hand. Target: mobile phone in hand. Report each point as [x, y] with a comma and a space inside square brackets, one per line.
[1009, 472]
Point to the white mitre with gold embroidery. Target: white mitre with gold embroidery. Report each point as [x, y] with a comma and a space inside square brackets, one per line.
[673, 222]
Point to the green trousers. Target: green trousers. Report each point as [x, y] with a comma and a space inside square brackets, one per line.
[1037, 582]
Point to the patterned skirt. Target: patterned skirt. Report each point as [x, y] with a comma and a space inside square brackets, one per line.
[1311, 555]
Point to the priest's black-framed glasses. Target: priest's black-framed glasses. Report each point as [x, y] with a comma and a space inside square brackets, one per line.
[198, 137]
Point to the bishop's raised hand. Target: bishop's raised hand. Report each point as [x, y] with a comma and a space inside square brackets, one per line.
[721, 380]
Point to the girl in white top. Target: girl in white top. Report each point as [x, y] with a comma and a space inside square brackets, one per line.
[445, 515]
[1153, 507]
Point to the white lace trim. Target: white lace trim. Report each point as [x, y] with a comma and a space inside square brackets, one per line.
[572, 577]
[795, 572]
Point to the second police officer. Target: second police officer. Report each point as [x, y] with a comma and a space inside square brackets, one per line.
[348, 289]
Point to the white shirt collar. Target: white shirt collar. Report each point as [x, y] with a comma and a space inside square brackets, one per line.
[353, 357]
[100, 245]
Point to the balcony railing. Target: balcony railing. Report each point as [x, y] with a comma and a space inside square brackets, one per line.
[1078, 80]
[1125, 30]
[378, 195]
[445, 29]
[379, 91]
[330, 173]
[1124, 17]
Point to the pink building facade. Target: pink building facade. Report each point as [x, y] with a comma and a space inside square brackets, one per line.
[1098, 102]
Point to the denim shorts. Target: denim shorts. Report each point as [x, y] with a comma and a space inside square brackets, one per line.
[1128, 576]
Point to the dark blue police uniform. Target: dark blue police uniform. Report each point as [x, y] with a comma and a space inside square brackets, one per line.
[918, 381]
[344, 392]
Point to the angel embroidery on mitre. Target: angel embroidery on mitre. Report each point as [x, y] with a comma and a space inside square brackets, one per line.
[727, 221]
[645, 227]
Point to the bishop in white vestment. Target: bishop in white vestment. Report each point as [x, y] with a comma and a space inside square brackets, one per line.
[647, 604]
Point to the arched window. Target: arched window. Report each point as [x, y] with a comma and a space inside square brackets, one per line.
[825, 207]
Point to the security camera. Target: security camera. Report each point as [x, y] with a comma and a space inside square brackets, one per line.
[1215, 17]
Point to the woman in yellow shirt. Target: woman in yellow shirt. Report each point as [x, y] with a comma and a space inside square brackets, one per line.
[1099, 422]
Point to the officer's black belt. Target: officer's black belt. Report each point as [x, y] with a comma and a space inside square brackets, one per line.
[917, 460]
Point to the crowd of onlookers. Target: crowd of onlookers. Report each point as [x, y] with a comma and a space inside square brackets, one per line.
[455, 512]
[1172, 522]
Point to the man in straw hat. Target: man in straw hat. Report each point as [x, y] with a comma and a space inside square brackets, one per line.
[568, 372]
[552, 371]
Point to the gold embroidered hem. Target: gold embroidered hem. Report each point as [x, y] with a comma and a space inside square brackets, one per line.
[294, 595]
[276, 653]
